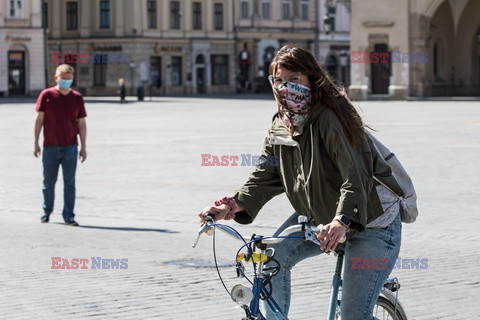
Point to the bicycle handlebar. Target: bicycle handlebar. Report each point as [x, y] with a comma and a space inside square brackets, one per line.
[310, 232]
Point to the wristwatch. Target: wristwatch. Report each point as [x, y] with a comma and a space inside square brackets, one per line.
[343, 220]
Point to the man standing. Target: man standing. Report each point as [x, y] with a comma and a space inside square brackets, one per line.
[61, 113]
[121, 90]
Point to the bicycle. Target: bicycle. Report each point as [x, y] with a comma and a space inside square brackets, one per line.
[257, 253]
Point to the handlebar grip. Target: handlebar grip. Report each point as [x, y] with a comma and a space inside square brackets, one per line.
[210, 215]
[209, 219]
[320, 228]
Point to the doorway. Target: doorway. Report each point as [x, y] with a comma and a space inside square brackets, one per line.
[16, 73]
[381, 71]
[155, 82]
[201, 80]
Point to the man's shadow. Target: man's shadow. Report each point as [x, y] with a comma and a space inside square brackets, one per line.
[124, 228]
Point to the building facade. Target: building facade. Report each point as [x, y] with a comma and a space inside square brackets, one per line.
[430, 48]
[185, 47]
[22, 66]
[376, 48]
[163, 47]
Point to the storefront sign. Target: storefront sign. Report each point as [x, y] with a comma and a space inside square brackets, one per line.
[22, 39]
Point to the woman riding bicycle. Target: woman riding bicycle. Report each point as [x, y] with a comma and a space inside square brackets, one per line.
[326, 165]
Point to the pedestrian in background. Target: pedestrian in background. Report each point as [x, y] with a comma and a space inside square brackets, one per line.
[121, 90]
[61, 113]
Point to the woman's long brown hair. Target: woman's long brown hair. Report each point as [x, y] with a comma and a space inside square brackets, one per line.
[294, 58]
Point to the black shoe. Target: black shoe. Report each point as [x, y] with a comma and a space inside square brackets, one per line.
[45, 218]
[72, 223]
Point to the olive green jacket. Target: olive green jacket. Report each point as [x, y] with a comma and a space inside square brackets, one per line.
[322, 174]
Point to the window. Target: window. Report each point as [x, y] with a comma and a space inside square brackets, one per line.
[218, 16]
[72, 16]
[200, 59]
[437, 60]
[104, 14]
[304, 10]
[331, 15]
[99, 74]
[256, 8]
[286, 9]
[266, 7]
[176, 71]
[16, 9]
[45, 15]
[152, 14]
[219, 69]
[331, 64]
[174, 14]
[244, 14]
[197, 16]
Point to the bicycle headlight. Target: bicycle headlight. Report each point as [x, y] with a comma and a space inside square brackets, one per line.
[241, 294]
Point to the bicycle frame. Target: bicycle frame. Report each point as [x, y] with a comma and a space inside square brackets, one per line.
[259, 289]
[334, 293]
[253, 310]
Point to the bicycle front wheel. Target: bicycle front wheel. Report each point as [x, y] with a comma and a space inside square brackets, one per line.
[387, 309]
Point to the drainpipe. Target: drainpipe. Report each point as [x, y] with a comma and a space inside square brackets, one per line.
[45, 49]
[317, 29]
[235, 46]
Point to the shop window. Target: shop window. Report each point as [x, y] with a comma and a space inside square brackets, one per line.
[219, 69]
[99, 74]
[176, 71]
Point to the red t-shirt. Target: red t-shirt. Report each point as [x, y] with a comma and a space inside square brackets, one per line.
[60, 127]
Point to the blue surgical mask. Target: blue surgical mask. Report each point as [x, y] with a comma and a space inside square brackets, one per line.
[64, 83]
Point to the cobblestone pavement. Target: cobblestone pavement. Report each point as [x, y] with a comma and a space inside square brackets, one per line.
[140, 189]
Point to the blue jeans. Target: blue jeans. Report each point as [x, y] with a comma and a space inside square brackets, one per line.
[361, 286]
[52, 158]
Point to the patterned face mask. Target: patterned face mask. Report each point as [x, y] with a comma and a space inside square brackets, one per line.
[294, 101]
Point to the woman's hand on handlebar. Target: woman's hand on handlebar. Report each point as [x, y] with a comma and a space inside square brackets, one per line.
[331, 235]
[218, 211]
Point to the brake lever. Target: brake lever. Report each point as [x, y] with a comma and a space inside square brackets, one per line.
[206, 227]
[310, 235]
[202, 230]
